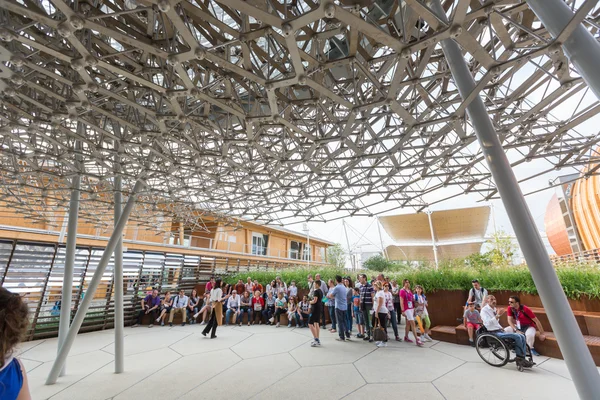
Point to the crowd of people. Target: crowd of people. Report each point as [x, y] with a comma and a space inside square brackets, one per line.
[368, 304]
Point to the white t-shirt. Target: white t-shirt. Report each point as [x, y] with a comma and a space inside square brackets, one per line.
[215, 295]
[293, 291]
[380, 295]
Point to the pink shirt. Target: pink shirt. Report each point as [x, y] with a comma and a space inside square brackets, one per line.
[407, 299]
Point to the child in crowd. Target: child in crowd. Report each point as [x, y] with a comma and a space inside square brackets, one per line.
[293, 289]
[357, 314]
[472, 320]
[421, 314]
[304, 308]
[13, 325]
[280, 307]
[269, 310]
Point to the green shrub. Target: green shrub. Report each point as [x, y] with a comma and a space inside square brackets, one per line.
[576, 280]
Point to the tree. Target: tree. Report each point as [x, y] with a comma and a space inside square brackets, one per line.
[378, 263]
[336, 256]
[503, 249]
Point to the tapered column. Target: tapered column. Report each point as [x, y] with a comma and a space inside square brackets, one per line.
[67, 287]
[93, 286]
[577, 356]
[580, 46]
[118, 274]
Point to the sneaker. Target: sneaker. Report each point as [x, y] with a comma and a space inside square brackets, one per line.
[348, 336]
[203, 333]
[162, 323]
[332, 331]
[157, 320]
[398, 339]
[371, 340]
[313, 344]
[171, 324]
[213, 337]
[406, 339]
[379, 344]
[360, 335]
[134, 325]
[384, 344]
[426, 338]
[365, 337]
[276, 326]
[289, 325]
[534, 352]
[471, 343]
[183, 324]
[339, 339]
[151, 326]
[419, 343]
[318, 342]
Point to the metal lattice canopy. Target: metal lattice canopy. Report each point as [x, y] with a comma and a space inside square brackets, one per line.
[277, 110]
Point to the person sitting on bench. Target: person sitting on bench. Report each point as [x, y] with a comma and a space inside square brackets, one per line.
[522, 319]
[179, 306]
[490, 317]
[150, 305]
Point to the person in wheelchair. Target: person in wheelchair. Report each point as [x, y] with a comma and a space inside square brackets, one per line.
[490, 316]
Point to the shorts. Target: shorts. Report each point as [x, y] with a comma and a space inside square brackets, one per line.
[410, 314]
[472, 325]
[314, 318]
[359, 318]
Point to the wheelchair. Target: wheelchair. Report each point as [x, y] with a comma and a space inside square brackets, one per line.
[498, 352]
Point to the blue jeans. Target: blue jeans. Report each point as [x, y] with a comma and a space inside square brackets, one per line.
[394, 322]
[241, 316]
[519, 339]
[340, 316]
[349, 317]
[228, 315]
[332, 316]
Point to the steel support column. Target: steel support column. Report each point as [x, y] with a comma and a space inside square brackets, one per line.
[71, 247]
[577, 356]
[435, 253]
[582, 49]
[93, 286]
[118, 286]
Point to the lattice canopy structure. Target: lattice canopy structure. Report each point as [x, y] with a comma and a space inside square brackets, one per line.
[276, 109]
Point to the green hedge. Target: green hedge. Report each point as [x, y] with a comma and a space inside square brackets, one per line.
[576, 280]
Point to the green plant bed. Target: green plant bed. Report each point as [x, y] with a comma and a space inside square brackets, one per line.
[576, 280]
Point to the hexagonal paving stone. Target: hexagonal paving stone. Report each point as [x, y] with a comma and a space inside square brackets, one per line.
[267, 344]
[104, 383]
[421, 391]
[78, 367]
[559, 367]
[330, 382]
[332, 352]
[196, 343]
[425, 365]
[84, 343]
[507, 381]
[156, 339]
[245, 379]
[169, 383]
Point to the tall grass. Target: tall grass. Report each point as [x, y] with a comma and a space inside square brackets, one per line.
[576, 280]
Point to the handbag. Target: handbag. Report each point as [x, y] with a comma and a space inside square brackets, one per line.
[257, 306]
[379, 333]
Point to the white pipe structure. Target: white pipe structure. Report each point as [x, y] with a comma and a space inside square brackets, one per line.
[435, 253]
[580, 46]
[383, 249]
[572, 345]
[118, 285]
[93, 286]
[67, 287]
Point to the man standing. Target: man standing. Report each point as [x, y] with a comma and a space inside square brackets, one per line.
[338, 293]
[240, 288]
[522, 319]
[179, 305]
[150, 305]
[408, 310]
[477, 295]
[311, 286]
[366, 303]
[490, 317]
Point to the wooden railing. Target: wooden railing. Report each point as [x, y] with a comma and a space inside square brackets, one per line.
[36, 271]
[588, 256]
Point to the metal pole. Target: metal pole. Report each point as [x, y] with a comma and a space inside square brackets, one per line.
[383, 249]
[71, 247]
[93, 286]
[582, 49]
[348, 243]
[118, 287]
[435, 254]
[572, 345]
[308, 246]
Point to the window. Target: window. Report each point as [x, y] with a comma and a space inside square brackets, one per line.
[307, 253]
[295, 249]
[259, 244]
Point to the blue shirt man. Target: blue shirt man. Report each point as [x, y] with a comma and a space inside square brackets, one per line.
[338, 293]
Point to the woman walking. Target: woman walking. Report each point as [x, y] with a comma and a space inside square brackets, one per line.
[315, 316]
[381, 311]
[216, 297]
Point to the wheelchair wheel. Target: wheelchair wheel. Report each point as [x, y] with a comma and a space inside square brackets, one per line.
[492, 350]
